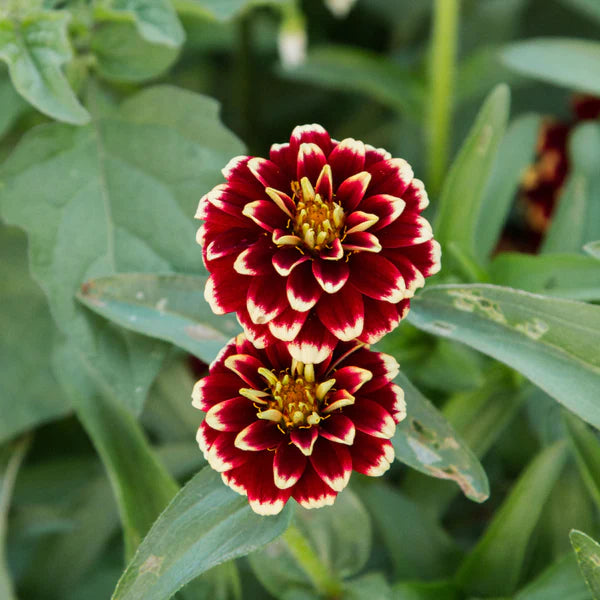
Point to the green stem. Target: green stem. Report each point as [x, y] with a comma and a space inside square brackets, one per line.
[324, 582]
[441, 80]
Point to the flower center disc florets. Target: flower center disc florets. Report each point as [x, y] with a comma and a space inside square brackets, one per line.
[317, 221]
[296, 399]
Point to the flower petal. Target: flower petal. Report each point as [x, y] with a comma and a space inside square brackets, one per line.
[215, 388]
[302, 289]
[342, 313]
[311, 491]
[390, 176]
[338, 428]
[333, 463]
[376, 277]
[314, 134]
[231, 415]
[259, 435]
[285, 158]
[339, 399]
[415, 196]
[282, 201]
[391, 398]
[388, 208]
[352, 191]
[374, 155]
[266, 298]
[413, 278]
[288, 465]
[259, 335]
[403, 233]
[223, 455]
[206, 437]
[281, 237]
[313, 344]
[380, 318]
[360, 221]
[324, 186]
[384, 368]
[265, 214]
[331, 275]
[351, 378]
[333, 252]
[304, 439]
[222, 291]
[255, 259]
[287, 325]
[268, 173]
[347, 159]
[246, 367]
[286, 258]
[371, 418]
[230, 242]
[426, 257]
[311, 160]
[370, 455]
[362, 241]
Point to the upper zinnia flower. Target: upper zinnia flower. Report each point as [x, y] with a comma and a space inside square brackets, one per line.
[276, 427]
[323, 242]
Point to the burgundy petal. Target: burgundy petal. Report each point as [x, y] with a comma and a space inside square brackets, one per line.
[351, 378]
[286, 258]
[282, 201]
[231, 415]
[265, 214]
[338, 428]
[370, 455]
[376, 277]
[311, 491]
[391, 398]
[266, 298]
[384, 368]
[304, 439]
[403, 233]
[259, 335]
[222, 292]
[371, 418]
[285, 158]
[256, 259]
[413, 278]
[229, 242]
[333, 463]
[307, 134]
[259, 435]
[347, 159]
[324, 186]
[388, 208]
[342, 313]
[331, 275]
[362, 241]
[214, 388]
[352, 191]
[425, 257]
[268, 173]
[311, 160]
[205, 437]
[239, 177]
[380, 318]
[287, 325]
[302, 289]
[390, 176]
[282, 237]
[415, 196]
[338, 400]
[334, 252]
[223, 455]
[246, 367]
[288, 465]
[374, 155]
[360, 221]
[313, 344]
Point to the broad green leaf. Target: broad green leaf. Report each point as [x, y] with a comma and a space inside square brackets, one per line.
[587, 551]
[551, 341]
[589, 8]
[10, 460]
[122, 54]
[118, 195]
[343, 550]
[425, 441]
[571, 63]
[368, 587]
[357, 70]
[34, 48]
[586, 447]
[222, 10]
[563, 275]
[479, 416]
[169, 307]
[593, 249]
[156, 20]
[426, 591]
[205, 524]
[29, 392]
[576, 219]
[141, 484]
[495, 565]
[462, 196]
[11, 104]
[416, 545]
[514, 155]
[560, 581]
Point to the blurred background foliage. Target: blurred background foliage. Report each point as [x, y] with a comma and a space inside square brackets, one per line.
[520, 208]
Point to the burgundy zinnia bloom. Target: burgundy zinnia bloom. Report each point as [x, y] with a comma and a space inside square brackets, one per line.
[276, 427]
[323, 242]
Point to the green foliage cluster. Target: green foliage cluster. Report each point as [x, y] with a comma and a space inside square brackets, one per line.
[111, 130]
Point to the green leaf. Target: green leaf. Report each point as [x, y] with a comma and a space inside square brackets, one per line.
[425, 441]
[576, 219]
[416, 545]
[586, 447]
[118, 195]
[140, 482]
[514, 155]
[11, 104]
[205, 524]
[588, 8]
[35, 48]
[222, 10]
[10, 461]
[122, 54]
[169, 307]
[368, 587]
[587, 551]
[156, 20]
[551, 341]
[563, 275]
[462, 196]
[593, 249]
[342, 550]
[426, 591]
[495, 565]
[559, 581]
[356, 70]
[571, 63]
[29, 392]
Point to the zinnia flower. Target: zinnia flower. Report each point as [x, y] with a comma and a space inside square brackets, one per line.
[323, 242]
[277, 428]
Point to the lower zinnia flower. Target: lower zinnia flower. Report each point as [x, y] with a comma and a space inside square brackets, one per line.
[276, 428]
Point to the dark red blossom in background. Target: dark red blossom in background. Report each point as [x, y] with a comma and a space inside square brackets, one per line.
[277, 428]
[322, 242]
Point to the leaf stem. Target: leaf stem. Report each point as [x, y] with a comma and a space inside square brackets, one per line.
[324, 582]
[442, 60]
